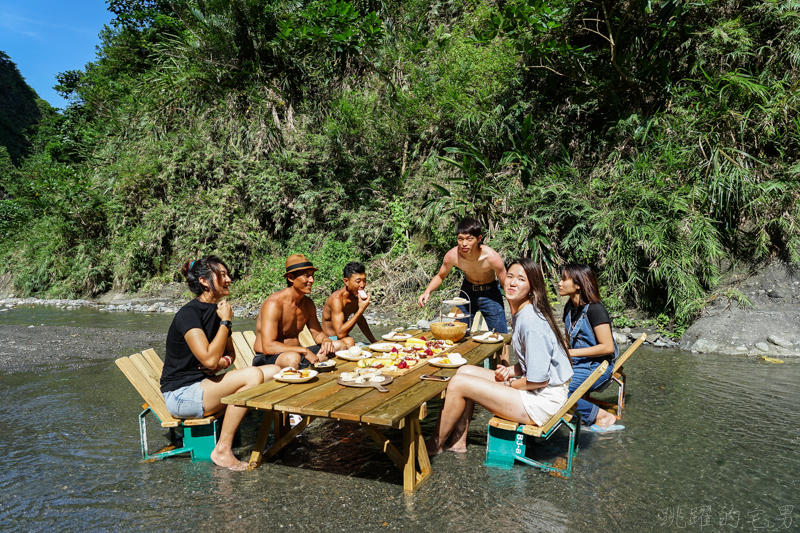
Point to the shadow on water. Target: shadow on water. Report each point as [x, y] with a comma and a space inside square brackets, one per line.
[710, 445]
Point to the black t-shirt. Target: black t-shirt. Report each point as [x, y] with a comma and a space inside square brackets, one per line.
[181, 367]
[596, 314]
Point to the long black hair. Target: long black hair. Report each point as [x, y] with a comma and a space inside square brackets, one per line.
[583, 276]
[538, 296]
[202, 268]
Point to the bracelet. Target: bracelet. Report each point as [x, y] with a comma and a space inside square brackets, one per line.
[228, 359]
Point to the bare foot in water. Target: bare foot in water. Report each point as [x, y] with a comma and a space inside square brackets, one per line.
[433, 447]
[228, 461]
[456, 449]
[604, 419]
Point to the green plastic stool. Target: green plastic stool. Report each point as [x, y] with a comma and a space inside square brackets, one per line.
[505, 445]
[198, 441]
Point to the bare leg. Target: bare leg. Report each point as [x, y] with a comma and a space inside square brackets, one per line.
[469, 386]
[288, 359]
[269, 371]
[458, 437]
[214, 389]
[341, 344]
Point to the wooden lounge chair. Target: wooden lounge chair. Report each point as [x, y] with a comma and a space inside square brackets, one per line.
[143, 370]
[243, 346]
[506, 441]
[618, 377]
[243, 343]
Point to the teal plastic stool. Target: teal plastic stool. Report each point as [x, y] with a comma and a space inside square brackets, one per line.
[507, 442]
[198, 440]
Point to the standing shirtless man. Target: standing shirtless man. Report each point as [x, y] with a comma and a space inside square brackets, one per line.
[345, 302]
[284, 315]
[482, 267]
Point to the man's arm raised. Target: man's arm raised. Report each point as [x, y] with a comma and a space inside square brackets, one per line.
[447, 265]
[341, 327]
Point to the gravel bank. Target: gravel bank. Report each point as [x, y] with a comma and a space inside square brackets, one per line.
[26, 348]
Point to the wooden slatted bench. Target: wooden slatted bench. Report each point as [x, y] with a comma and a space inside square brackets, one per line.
[507, 441]
[143, 370]
[243, 343]
[618, 377]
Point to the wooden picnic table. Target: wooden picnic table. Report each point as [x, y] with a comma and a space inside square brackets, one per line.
[400, 408]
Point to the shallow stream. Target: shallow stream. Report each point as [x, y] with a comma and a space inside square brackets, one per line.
[710, 444]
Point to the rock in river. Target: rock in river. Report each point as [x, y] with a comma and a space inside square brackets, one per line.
[704, 346]
[777, 341]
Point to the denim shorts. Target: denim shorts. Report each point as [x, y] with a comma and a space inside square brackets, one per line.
[186, 402]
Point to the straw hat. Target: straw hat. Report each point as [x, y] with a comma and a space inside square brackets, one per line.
[297, 262]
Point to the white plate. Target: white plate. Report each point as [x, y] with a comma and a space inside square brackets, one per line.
[397, 337]
[434, 361]
[489, 340]
[347, 357]
[456, 316]
[456, 301]
[311, 374]
[385, 346]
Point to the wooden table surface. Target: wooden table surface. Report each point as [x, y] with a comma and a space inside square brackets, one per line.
[401, 408]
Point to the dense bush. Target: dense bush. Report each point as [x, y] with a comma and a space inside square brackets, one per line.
[657, 141]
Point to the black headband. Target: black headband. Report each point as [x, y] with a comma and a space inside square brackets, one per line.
[299, 265]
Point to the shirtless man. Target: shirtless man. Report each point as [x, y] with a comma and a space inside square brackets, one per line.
[482, 267]
[284, 315]
[345, 302]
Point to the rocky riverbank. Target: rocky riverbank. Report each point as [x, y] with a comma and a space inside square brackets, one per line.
[769, 325]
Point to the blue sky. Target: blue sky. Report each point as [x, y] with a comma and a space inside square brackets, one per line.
[45, 37]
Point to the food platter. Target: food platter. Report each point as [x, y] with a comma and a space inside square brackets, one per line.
[378, 386]
[300, 379]
[453, 361]
[456, 301]
[396, 336]
[385, 347]
[344, 354]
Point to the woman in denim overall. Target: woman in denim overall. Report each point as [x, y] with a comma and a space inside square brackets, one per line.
[589, 346]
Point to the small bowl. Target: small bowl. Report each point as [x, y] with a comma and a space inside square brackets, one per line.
[449, 331]
[325, 366]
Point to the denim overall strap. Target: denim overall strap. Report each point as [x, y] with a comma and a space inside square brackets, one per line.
[581, 334]
[581, 326]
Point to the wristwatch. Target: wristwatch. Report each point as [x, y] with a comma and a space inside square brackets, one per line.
[227, 323]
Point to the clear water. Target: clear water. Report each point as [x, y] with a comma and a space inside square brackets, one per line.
[710, 445]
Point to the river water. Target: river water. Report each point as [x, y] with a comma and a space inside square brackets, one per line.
[710, 444]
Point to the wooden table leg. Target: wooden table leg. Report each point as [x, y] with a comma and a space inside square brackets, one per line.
[287, 437]
[414, 451]
[410, 456]
[261, 439]
[422, 455]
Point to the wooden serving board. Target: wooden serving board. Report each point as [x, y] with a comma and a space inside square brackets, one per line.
[378, 386]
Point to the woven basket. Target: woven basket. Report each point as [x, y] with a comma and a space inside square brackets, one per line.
[449, 331]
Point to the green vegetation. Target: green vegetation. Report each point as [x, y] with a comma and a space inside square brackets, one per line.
[20, 109]
[653, 140]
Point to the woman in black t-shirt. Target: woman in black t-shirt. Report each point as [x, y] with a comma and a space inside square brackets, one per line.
[198, 347]
[589, 336]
